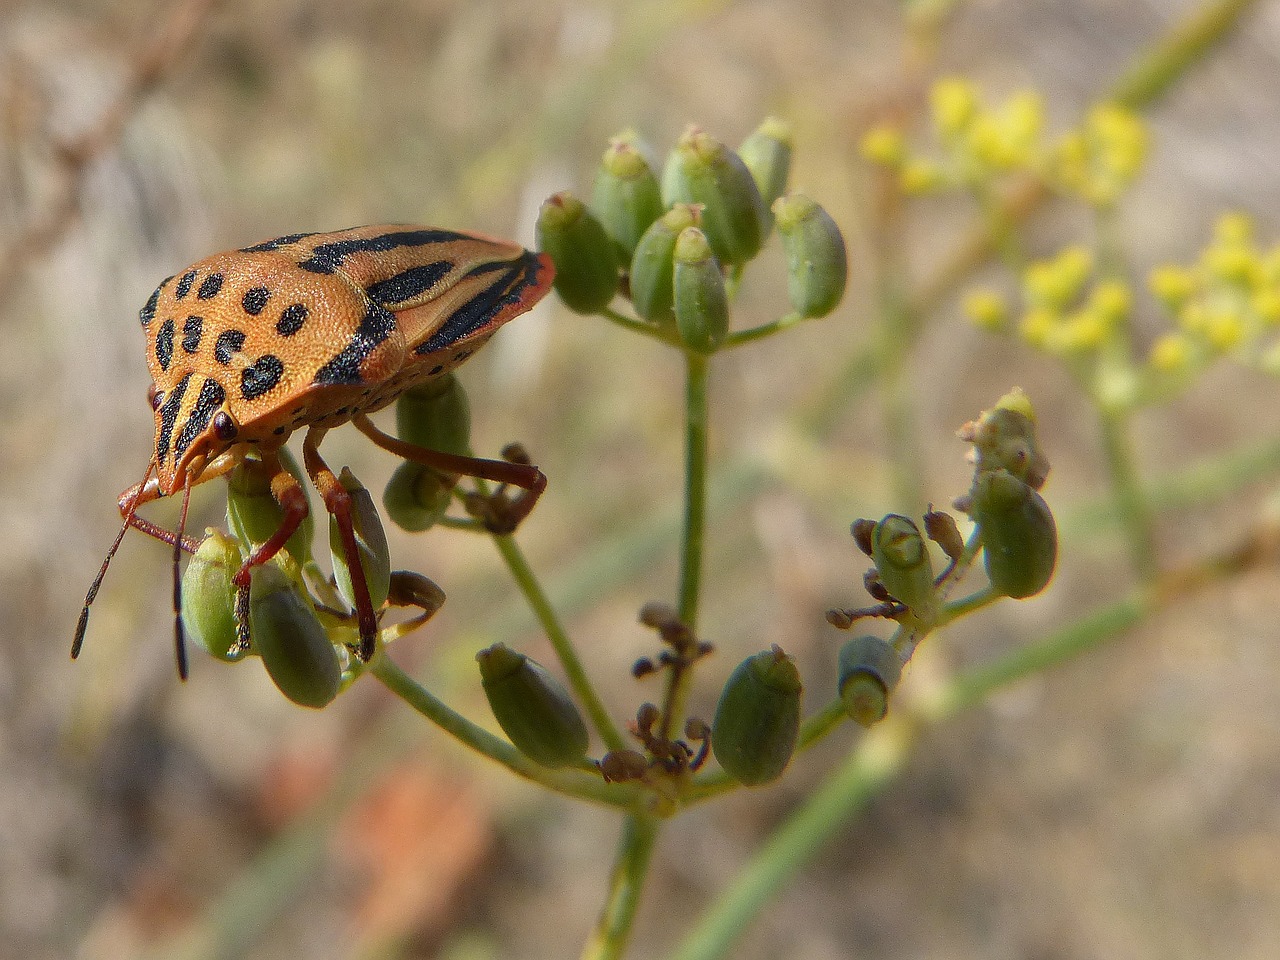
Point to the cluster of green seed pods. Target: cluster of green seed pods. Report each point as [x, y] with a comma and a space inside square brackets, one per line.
[279, 618]
[667, 241]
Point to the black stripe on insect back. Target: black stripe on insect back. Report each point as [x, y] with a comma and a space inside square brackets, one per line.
[169, 416]
[505, 290]
[206, 405]
[328, 257]
[408, 284]
[344, 368]
[268, 245]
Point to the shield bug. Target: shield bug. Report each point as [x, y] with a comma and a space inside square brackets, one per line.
[315, 330]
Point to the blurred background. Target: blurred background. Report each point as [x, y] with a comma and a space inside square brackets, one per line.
[1125, 804]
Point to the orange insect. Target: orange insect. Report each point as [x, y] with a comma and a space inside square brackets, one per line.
[315, 330]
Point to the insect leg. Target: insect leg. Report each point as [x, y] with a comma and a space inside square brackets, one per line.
[338, 502]
[526, 476]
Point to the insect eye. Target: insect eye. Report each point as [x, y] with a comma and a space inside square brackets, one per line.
[224, 426]
[154, 397]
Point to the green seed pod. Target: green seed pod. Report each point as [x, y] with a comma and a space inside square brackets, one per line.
[533, 708]
[653, 265]
[701, 304]
[701, 169]
[1019, 536]
[253, 515]
[905, 567]
[416, 497]
[758, 718]
[371, 542]
[817, 265]
[869, 670]
[436, 415]
[209, 596]
[287, 634]
[626, 196]
[585, 259]
[767, 154]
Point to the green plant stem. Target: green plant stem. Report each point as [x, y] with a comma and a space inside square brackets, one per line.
[697, 368]
[1131, 505]
[631, 866]
[576, 674]
[641, 327]
[751, 335]
[582, 786]
[1182, 47]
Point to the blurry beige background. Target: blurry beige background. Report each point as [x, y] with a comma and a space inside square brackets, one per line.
[1126, 805]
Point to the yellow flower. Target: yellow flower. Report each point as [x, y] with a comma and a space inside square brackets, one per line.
[1225, 329]
[986, 309]
[1172, 353]
[955, 103]
[1058, 281]
[921, 176]
[1234, 228]
[1173, 285]
[1037, 327]
[884, 145]
[1111, 300]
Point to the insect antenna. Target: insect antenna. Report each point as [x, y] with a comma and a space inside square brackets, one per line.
[179, 637]
[78, 641]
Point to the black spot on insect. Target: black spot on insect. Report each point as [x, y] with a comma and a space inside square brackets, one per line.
[224, 426]
[279, 430]
[169, 416]
[191, 331]
[229, 343]
[342, 411]
[261, 376]
[269, 245]
[209, 287]
[328, 257]
[366, 393]
[148, 311]
[291, 319]
[202, 411]
[255, 299]
[344, 368]
[460, 356]
[409, 284]
[164, 344]
[184, 284]
[484, 306]
[438, 368]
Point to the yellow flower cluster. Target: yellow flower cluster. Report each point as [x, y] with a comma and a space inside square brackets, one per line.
[1067, 312]
[1099, 161]
[1228, 301]
[979, 143]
